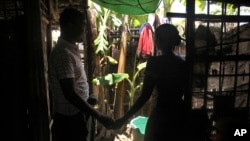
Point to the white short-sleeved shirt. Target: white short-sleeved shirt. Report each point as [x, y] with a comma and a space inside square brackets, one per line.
[65, 62]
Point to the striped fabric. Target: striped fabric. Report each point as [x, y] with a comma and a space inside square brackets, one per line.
[65, 62]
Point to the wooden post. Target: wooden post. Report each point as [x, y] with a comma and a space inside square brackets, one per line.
[119, 107]
[38, 83]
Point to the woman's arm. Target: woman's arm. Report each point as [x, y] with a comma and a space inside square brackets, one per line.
[147, 89]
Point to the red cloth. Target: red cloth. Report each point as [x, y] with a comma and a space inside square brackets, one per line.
[146, 42]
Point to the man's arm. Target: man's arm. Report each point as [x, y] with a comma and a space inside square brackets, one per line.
[67, 85]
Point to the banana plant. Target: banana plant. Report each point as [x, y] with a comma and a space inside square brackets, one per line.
[114, 78]
[101, 42]
[133, 85]
[110, 79]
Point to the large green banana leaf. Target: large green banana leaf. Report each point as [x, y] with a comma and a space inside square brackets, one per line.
[110, 79]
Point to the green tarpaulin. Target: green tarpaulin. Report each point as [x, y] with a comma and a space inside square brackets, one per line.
[130, 7]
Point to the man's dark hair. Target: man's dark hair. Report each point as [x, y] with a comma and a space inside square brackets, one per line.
[70, 15]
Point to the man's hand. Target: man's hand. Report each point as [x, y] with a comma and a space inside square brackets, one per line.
[118, 123]
[106, 121]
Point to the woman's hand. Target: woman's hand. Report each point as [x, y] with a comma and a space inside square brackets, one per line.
[118, 123]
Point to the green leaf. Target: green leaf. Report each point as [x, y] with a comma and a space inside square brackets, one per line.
[200, 5]
[118, 77]
[112, 60]
[141, 66]
[117, 22]
[110, 79]
[137, 21]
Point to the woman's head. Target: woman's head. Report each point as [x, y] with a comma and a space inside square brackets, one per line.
[167, 37]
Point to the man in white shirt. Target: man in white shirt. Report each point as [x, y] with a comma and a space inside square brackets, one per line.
[69, 84]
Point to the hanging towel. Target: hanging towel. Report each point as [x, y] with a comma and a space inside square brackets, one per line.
[146, 41]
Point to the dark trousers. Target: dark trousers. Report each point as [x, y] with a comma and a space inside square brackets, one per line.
[69, 128]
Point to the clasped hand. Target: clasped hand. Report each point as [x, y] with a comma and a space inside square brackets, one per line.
[115, 124]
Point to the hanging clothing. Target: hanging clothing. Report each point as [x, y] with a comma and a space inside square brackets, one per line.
[145, 46]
